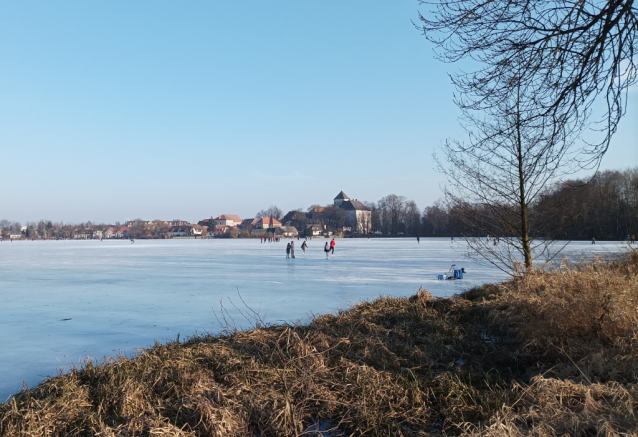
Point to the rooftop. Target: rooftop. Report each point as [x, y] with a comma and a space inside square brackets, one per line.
[354, 205]
[342, 196]
[233, 217]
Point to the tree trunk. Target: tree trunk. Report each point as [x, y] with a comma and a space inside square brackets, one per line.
[527, 253]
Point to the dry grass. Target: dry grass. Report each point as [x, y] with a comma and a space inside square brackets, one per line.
[585, 314]
[550, 354]
[551, 407]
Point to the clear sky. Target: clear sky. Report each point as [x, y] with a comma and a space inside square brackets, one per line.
[162, 109]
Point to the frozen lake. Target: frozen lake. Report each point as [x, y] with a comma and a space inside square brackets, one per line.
[119, 296]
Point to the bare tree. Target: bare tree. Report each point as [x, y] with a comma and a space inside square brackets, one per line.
[137, 229]
[16, 227]
[564, 54]
[5, 229]
[435, 221]
[392, 208]
[42, 229]
[412, 218]
[509, 159]
[272, 212]
[157, 228]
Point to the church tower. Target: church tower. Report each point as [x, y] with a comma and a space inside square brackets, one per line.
[341, 197]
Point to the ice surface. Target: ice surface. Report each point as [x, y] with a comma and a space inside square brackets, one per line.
[121, 296]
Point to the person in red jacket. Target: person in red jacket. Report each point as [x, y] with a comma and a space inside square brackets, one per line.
[332, 246]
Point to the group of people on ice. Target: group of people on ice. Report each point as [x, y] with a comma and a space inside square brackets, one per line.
[329, 247]
[495, 240]
[270, 239]
[630, 239]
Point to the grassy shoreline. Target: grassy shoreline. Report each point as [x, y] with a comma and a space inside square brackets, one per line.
[549, 354]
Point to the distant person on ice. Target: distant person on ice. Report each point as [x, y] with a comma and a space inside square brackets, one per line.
[326, 249]
[303, 247]
[288, 251]
[593, 240]
[292, 249]
[333, 243]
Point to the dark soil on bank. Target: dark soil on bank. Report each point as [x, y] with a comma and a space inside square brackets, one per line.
[552, 353]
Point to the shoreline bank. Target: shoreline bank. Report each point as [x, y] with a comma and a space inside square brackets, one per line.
[479, 362]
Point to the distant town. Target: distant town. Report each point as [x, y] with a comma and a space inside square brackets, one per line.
[345, 216]
[604, 207]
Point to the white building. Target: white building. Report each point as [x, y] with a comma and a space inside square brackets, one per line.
[359, 216]
[228, 220]
[286, 231]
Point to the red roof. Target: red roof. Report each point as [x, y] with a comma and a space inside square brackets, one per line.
[233, 217]
[267, 221]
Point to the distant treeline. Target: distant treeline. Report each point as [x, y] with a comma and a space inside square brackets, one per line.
[604, 207]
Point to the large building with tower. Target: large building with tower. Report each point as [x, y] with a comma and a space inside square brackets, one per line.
[359, 216]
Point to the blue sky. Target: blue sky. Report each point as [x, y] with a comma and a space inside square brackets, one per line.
[155, 109]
